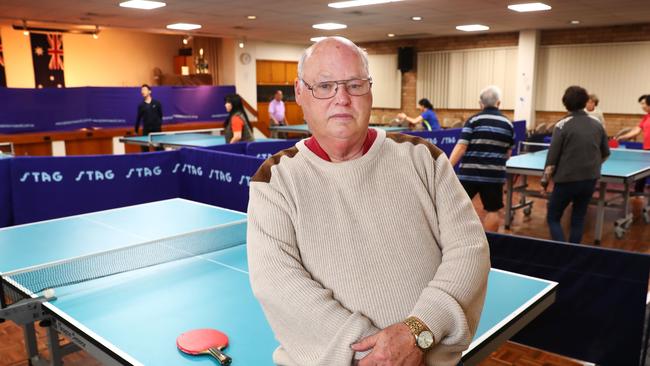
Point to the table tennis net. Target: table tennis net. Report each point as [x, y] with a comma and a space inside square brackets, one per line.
[72, 271]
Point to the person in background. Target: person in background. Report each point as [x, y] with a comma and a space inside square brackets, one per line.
[427, 118]
[642, 128]
[237, 127]
[578, 149]
[483, 149]
[150, 113]
[592, 109]
[277, 110]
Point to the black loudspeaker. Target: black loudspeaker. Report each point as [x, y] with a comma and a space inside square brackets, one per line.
[405, 57]
[185, 51]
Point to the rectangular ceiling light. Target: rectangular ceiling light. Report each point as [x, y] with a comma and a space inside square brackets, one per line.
[329, 26]
[529, 7]
[142, 4]
[183, 26]
[353, 3]
[472, 27]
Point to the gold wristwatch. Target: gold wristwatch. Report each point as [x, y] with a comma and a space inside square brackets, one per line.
[423, 336]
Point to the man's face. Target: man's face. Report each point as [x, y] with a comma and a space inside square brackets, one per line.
[590, 105]
[644, 106]
[145, 92]
[278, 95]
[342, 117]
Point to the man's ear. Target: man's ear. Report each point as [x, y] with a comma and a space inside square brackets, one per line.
[297, 88]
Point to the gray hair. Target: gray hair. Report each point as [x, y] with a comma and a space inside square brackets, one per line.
[305, 55]
[490, 96]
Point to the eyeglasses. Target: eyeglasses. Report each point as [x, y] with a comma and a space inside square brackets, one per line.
[328, 89]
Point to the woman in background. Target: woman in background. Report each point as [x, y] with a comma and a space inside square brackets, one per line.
[237, 127]
[428, 117]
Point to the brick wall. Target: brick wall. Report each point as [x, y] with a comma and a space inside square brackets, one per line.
[576, 35]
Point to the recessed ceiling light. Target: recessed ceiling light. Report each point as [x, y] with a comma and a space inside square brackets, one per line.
[142, 4]
[391, 35]
[353, 3]
[183, 26]
[575, 22]
[329, 26]
[529, 7]
[416, 18]
[251, 17]
[472, 27]
[317, 39]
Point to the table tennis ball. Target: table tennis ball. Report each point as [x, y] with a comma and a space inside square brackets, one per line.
[49, 293]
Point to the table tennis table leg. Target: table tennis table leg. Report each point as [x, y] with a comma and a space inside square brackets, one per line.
[55, 349]
[509, 185]
[600, 213]
[29, 334]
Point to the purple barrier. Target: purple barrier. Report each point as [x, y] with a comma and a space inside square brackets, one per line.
[52, 109]
[48, 187]
[6, 214]
[445, 140]
[216, 178]
[264, 149]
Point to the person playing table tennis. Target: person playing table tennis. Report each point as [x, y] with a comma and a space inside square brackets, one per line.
[642, 128]
[363, 246]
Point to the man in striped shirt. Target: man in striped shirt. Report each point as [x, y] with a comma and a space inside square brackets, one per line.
[483, 149]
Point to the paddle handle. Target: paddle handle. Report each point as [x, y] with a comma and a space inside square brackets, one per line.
[222, 357]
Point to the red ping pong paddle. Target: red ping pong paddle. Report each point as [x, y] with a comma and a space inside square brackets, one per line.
[204, 342]
[613, 143]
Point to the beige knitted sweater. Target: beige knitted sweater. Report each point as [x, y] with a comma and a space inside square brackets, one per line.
[338, 251]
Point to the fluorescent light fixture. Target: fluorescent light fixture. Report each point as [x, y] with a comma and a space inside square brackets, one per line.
[529, 7]
[575, 22]
[391, 35]
[251, 17]
[317, 39]
[183, 26]
[329, 26]
[416, 18]
[142, 4]
[472, 27]
[353, 3]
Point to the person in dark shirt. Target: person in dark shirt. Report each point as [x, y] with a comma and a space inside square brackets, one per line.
[150, 113]
[578, 149]
[483, 148]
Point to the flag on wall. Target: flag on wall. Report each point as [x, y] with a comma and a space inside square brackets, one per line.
[3, 78]
[47, 56]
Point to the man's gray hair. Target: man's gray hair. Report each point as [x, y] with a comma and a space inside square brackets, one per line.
[305, 55]
[490, 96]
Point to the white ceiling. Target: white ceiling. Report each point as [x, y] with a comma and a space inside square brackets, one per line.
[290, 20]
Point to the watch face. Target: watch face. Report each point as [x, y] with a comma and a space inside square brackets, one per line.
[425, 339]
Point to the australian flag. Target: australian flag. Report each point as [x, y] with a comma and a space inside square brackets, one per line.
[3, 79]
[47, 54]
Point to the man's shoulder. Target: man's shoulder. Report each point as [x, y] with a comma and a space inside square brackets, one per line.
[410, 140]
[263, 174]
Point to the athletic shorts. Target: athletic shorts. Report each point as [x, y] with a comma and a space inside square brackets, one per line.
[491, 194]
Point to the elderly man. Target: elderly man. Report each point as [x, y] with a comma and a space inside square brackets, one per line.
[483, 149]
[362, 246]
[277, 110]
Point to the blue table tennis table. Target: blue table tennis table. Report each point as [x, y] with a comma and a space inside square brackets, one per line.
[177, 140]
[304, 129]
[133, 316]
[623, 167]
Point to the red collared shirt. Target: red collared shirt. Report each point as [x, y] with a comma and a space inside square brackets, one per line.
[315, 147]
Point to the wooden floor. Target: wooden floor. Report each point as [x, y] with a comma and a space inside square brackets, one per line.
[510, 354]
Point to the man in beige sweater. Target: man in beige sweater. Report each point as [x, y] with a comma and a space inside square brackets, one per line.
[363, 247]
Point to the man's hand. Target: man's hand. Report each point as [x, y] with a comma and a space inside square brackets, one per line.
[393, 346]
[401, 115]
